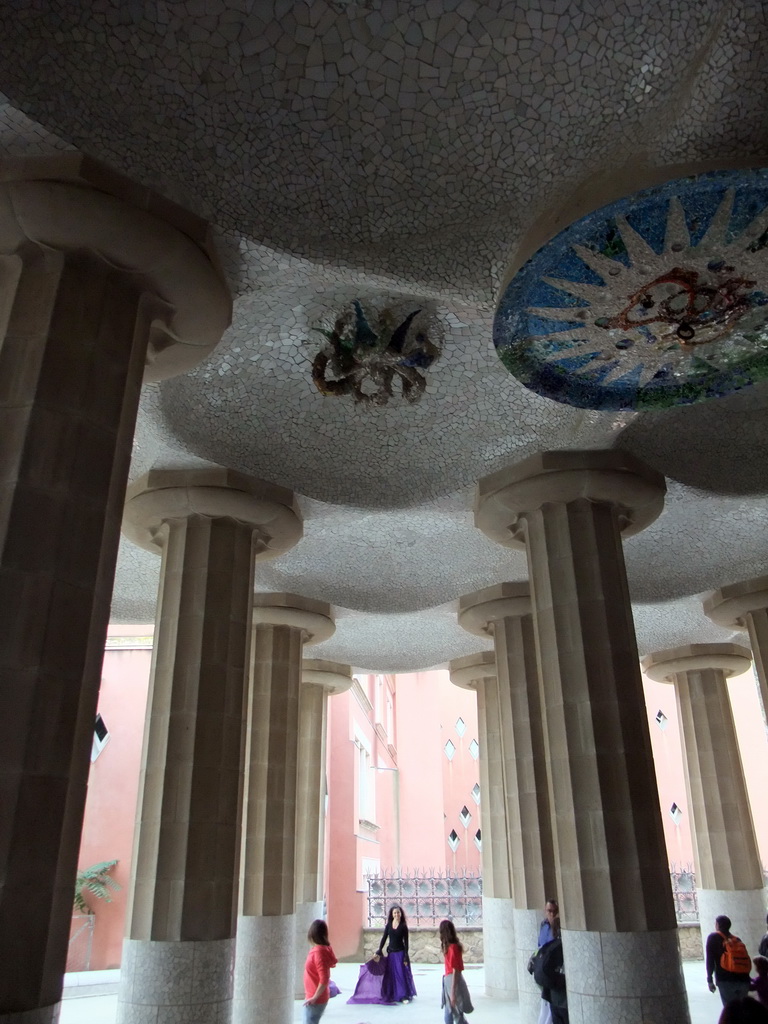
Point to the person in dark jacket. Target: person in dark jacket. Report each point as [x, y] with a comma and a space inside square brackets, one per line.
[744, 1011]
[763, 950]
[551, 912]
[730, 985]
[551, 975]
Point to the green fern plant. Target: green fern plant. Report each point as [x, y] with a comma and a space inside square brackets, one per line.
[97, 880]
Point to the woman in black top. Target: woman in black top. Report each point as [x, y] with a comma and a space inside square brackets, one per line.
[390, 980]
[396, 930]
[397, 985]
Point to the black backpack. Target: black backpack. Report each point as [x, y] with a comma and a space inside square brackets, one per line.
[548, 965]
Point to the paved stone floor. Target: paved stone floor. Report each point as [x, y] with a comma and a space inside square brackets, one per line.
[86, 1004]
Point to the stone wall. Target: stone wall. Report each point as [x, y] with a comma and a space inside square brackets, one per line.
[425, 944]
[690, 942]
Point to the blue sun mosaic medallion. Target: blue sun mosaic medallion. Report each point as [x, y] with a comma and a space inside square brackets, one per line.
[655, 300]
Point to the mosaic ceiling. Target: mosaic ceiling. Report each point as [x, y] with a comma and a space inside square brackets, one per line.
[402, 155]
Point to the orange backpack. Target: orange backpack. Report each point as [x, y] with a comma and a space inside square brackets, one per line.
[735, 957]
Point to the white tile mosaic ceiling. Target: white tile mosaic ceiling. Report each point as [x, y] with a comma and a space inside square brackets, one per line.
[397, 153]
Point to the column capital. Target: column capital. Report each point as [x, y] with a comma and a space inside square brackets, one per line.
[70, 203]
[479, 611]
[469, 671]
[730, 659]
[332, 676]
[730, 605]
[313, 618]
[163, 495]
[611, 477]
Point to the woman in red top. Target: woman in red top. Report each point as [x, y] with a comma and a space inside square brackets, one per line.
[456, 1001]
[317, 972]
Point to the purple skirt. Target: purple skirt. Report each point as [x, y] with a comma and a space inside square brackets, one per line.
[388, 981]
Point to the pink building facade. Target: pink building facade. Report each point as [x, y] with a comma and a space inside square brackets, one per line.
[403, 789]
[112, 791]
[402, 784]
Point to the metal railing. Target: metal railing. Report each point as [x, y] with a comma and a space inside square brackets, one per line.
[426, 897]
[684, 894]
[80, 942]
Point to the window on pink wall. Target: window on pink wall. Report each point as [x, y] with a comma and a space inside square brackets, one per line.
[100, 737]
[371, 866]
[366, 787]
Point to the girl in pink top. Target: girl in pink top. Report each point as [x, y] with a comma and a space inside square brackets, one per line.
[456, 1001]
[317, 972]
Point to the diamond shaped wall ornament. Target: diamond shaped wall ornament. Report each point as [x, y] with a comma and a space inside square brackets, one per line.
[658, 299]
[368, 359]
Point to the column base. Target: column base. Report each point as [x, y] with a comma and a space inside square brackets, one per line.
[306, 913]
[159, 980]
[264, 970]
[527, 924]
[745, 907]
[632, 977]
[42, 1015]
[499, 948]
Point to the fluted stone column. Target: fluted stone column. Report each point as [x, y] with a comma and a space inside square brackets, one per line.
[319, 681]
[210, 525]
[266, 929]
[569, 509]
[101, 286]
[745, 606]
[504, 613]
[729, 872]
[478, 672]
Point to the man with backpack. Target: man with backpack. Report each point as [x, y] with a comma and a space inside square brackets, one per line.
[549, 975]
[728, 962]
[546, 934]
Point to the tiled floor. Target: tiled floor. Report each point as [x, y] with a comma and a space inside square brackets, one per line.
[79, 1007]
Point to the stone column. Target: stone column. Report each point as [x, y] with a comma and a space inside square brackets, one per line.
[211, 525]
[569, 509]
[745, 606]
[319, 680]
[478, 672]
[729, 873]
[266, 929]
[101, 284]
[504, 613]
